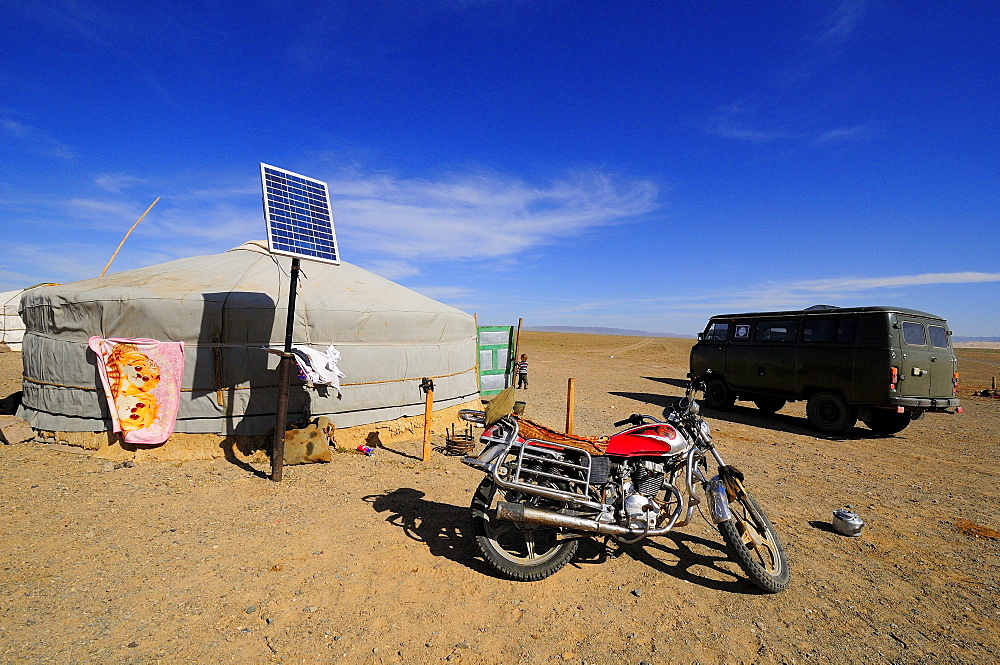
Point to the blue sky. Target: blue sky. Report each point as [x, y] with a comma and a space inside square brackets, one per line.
[626, 164]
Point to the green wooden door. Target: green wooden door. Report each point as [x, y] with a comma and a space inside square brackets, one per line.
[496, 358]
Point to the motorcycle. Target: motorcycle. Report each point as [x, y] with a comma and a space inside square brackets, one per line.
[544, 491]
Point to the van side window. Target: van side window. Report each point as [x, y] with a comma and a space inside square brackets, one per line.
[939, 336]
[873, 329]
[717, 332]
[913, 333]
[828, 330]
[741, 333]
[777, 331]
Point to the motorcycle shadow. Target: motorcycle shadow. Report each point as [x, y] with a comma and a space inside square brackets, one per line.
[441, 527]
[446, 530]
[683, 556]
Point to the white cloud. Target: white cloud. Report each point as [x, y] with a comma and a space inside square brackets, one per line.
[467, 216]
[843, 134]
[116, 182]
[844, 20]
[36, 140]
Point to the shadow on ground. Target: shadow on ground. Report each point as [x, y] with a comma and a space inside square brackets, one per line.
[440, 526]
[684, 556]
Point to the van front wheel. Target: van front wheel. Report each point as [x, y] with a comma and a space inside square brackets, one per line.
[718, 395]
[831, 414]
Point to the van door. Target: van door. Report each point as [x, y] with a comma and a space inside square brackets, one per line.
[710, 351]
[772, 367]
[943, 364]
[915, 364]
[740, 354]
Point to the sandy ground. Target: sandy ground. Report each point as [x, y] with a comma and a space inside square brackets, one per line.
[369, 560]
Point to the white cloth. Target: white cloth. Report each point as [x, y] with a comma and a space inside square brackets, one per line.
[319, 367]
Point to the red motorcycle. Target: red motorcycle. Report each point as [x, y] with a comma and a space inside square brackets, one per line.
[545, 490]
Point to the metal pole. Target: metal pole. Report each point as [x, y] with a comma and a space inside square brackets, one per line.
[570, 395]
[284, 372]
[428, 387]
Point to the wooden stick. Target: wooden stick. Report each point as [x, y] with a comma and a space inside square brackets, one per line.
[127, 235]
[570, 395]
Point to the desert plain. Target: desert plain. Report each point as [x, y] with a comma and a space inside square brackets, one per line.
[369, 559]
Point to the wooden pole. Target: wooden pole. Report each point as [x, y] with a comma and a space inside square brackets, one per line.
[475, 322]
[570, 390]
[428, 387]
[127, 235]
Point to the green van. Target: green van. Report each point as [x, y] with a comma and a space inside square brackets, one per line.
[883, 365]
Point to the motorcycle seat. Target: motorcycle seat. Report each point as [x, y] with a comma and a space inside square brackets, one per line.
[529, 429]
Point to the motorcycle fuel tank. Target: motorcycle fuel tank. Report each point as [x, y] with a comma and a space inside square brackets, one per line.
[650, 439]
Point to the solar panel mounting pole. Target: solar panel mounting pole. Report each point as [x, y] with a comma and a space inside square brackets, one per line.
[300, 225]
[284, 373]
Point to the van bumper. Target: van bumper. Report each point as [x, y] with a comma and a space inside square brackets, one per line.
[929, 403]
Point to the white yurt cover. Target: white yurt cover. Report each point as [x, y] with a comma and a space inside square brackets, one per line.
[11, 326]
[226, 308]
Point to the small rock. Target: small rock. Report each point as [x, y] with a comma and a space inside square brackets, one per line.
[310, 609]
[132, 645]
[568, 655]
[108, 466]
[637, 593]
[462, 645]
[270, 621]
[251, 609]
[128, 464]
[760, 625]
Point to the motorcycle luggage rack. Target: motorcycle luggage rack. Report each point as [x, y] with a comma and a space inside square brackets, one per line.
[568, 465]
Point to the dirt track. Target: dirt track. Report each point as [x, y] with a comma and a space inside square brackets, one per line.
[368, 559]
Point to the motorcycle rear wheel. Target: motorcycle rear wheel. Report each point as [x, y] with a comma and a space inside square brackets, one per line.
[519, 552]
[754, 544]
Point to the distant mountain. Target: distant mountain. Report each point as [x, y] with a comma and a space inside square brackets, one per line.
[605, 331]
[963, 340]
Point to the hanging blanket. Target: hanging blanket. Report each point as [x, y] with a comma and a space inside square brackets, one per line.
[142, 381]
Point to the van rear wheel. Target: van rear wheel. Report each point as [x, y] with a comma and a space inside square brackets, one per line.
[886, 422]
[831, 414]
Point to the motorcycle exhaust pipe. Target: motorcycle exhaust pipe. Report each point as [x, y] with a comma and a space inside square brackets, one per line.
[516, 512]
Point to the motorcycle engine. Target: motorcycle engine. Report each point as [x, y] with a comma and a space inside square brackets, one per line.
[638, 509]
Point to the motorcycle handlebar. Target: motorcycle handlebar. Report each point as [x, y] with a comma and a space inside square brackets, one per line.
[634, 419]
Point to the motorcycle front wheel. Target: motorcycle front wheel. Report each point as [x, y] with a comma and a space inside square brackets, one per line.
[754, 544]
[519, 552]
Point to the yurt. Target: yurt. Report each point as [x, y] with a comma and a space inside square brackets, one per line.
[11, 325]
[228, 309]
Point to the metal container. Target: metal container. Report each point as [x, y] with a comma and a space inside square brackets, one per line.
[847, 522]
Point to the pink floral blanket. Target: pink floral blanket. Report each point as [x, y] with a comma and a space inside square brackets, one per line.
[142, 381]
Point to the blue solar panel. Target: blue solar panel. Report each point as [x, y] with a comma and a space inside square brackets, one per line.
[298, 217]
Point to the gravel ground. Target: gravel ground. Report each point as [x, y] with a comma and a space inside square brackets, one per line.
[369, 560]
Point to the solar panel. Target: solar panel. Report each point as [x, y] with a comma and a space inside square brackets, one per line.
[297, 215]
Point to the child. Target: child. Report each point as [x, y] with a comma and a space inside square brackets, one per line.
[522, 371]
